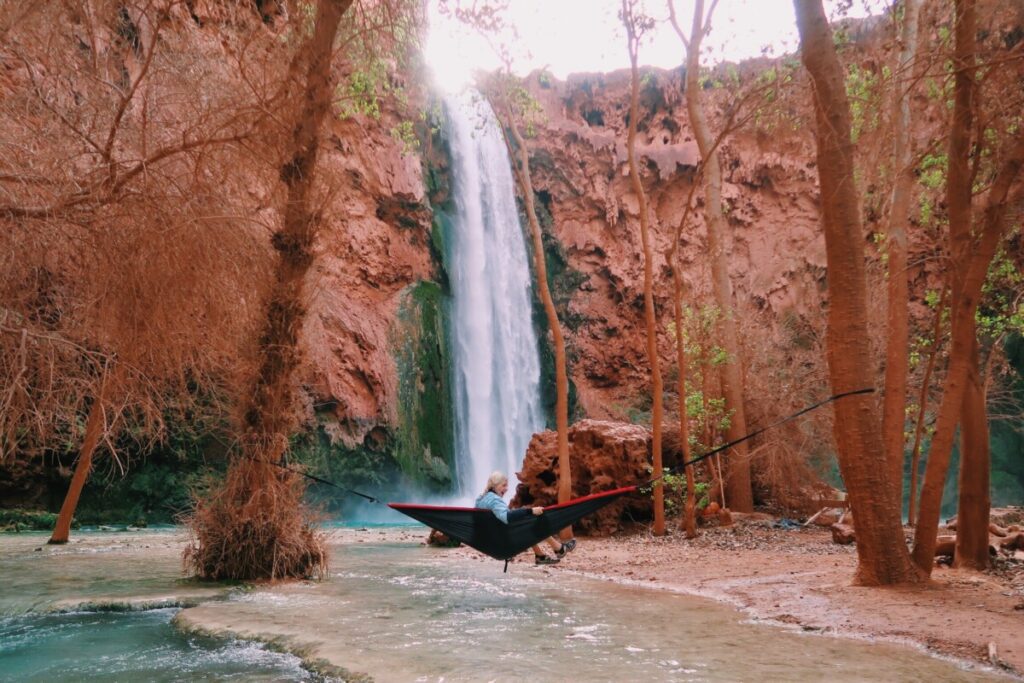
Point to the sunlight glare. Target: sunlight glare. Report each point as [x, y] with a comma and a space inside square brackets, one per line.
[579, 36]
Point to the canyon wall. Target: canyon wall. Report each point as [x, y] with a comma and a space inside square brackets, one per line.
[774, 246]
[376, 373]
[378, 370]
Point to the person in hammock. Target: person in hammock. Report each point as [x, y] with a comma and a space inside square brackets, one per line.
[493, 499]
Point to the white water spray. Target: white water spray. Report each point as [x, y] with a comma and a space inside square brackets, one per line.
[495, 353]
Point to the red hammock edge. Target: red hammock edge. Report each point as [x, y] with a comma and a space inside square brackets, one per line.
[592, 496]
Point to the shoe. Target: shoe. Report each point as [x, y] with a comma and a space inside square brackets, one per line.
[544, 559]
[567, 547]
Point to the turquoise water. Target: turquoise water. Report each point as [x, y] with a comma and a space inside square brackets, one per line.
[98, 567]
[135, 646]
[44, 637]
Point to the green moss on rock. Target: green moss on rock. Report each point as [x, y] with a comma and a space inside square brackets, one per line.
[423, 446]
[369, 467]
[26, 520]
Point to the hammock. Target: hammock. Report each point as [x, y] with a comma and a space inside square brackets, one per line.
[480, 529]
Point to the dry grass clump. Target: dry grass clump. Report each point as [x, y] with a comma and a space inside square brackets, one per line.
[255, 526]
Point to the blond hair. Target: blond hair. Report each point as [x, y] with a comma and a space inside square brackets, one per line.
[496, 479]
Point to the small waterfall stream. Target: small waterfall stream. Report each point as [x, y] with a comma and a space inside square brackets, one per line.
[494, 346]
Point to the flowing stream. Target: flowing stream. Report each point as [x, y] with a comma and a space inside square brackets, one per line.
[495, 352]
[100, 609]
[394, 611]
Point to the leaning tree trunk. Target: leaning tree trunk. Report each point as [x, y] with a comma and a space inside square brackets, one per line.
[953, 393]
[897, 332]
[707, 383]
[881, 551]
[972, 520]
[93, 431]
[737, 483]
[992, 228]
[688, 522]
[922, 402]
[649, 315]
[522, 171]
[95, 426]
[255, 526]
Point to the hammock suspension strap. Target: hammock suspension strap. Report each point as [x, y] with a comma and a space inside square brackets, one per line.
[643, 488]
[646, 488]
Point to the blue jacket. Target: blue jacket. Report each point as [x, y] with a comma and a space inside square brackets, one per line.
[493, 502]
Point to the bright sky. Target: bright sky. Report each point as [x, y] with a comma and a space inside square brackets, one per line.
[570, 36]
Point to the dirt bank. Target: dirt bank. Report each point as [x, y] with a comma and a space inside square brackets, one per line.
[800, 577]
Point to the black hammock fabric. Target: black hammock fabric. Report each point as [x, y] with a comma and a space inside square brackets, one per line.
[480, 529]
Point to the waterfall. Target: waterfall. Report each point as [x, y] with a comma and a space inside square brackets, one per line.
[494, 347]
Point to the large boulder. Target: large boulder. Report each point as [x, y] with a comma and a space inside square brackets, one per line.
[603, 456]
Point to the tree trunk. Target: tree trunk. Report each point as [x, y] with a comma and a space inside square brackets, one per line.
[972, 530]
[953, 393]
[897, 332]
[688, 522]
[649, 316]
[522, 169]
[93, 431]
[255, 525]
[717, 490]
[881, 551]
[992, 227]
[974, 501]
[738, 464]
[922, 402]
[270, 417]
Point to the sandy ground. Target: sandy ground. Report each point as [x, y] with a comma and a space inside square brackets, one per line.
[801, 578]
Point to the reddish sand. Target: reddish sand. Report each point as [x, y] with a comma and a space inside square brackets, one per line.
[800, 577]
